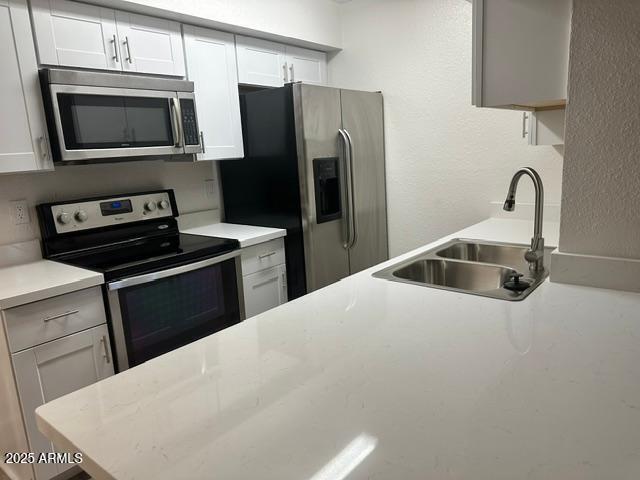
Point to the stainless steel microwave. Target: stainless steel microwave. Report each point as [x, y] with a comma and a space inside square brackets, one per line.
[96, 116]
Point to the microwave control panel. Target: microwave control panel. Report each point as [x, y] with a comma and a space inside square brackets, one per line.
[189, 122]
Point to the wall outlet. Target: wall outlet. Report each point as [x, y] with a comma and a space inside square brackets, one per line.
[20, 212]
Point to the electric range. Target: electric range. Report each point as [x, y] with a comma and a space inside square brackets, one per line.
[163, 289]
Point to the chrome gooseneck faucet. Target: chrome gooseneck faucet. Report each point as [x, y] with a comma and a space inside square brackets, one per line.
[535, 254]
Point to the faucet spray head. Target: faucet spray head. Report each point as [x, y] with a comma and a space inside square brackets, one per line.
[510, 203]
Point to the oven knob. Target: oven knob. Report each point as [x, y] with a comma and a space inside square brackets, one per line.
[150, 206]
[81, 216]
[64, 218]
[163, 204]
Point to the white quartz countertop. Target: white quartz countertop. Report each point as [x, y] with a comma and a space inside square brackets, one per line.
[33, 281]
[371, 379]
[247, 235]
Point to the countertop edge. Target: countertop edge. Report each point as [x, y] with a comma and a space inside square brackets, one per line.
[42, 294]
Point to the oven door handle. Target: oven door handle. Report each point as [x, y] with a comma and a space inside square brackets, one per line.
[171, 272]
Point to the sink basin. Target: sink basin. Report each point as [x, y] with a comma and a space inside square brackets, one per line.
[469, 266]
[458, 275]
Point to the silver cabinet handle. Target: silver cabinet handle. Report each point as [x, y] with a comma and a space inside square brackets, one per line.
[128, 45]
[115, 49]
[60, 315]
[265, 255]
[202, 141]
[284, 72]
[176, 122]
[291, 78]
[525, 116]
[105, 349]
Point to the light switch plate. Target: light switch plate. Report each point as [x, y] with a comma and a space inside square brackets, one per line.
[210, 188]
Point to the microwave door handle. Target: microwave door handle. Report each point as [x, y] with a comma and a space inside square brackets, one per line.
[176, 122]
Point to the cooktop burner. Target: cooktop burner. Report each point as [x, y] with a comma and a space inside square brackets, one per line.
[147, 254]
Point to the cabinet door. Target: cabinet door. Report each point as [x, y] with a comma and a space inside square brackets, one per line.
[265, 290]
[150, 45]
[306, 66]
[520, 53]
[75, 34]
[53, 369]
[544, 127]
[23, 135]
[261, 62]
[211, 66]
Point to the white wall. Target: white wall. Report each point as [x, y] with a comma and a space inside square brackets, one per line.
[446, 160]
[77, 181]
[312, 23]
[601, 188]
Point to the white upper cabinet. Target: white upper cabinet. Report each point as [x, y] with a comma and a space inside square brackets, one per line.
[76, 34]
[520, 53]
[211, 65]
[308, 66]
[23, 134]
[271, 64]
[150, 45]
[543, 127]
[261, 62]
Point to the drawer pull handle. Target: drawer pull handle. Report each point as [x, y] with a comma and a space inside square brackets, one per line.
[105, 349]
[265, 255]
[61, 315]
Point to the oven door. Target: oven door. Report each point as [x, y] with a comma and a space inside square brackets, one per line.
[102, 122]
[155, 313]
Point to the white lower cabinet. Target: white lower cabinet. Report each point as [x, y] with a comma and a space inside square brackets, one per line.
[53, 369]
[264, 276]
[46, 368]
[265, 290]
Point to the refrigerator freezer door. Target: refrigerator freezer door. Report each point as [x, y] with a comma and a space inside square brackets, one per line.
[362, 118]
[318, 119]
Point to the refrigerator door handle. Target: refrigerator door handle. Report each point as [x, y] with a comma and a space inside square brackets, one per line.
[347, 191]
[352, 194]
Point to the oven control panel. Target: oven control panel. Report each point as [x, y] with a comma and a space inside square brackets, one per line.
[105, 212]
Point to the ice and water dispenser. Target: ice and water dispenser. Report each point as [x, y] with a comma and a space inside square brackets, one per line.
[326, 175]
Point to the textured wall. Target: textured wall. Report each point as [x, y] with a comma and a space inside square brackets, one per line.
[601, 186]
[446, 160]
[77, 181]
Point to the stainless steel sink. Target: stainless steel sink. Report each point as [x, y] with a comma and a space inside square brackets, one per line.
[470, 266]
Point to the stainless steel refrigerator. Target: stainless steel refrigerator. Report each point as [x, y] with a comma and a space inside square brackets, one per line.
[314, 164]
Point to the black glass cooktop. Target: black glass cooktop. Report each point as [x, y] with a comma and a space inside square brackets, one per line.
[143, 255]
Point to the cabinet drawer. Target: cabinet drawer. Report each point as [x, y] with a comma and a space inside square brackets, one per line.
[46, 320]
[261, 256]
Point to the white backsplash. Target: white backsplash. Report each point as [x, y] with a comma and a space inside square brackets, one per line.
[78, 181]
